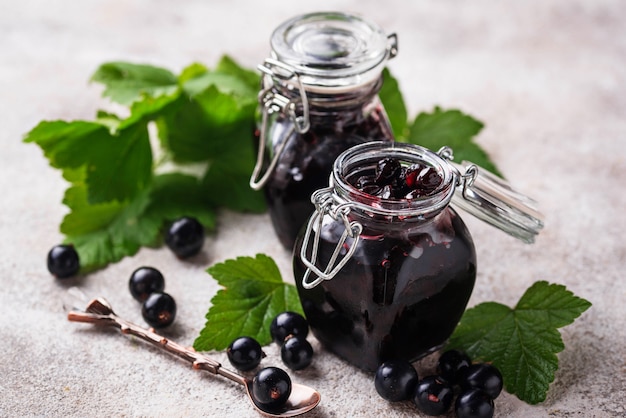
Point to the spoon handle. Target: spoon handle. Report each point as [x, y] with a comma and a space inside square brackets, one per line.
[198, 361]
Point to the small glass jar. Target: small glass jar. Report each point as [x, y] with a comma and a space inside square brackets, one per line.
[319, 97]
[384, 279]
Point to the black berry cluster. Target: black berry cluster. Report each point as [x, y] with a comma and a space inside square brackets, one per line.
[271, 386]
[289, 330]
[146, 285]
[476, 386]
[392, 180]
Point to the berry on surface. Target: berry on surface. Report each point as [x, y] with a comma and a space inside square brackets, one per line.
[451, 364]
[474, 403]
[482, 376]
[185, 237]
[159, 310]
[296, 352]
[63, 261]
[271, 388]
[433, 395]
[144, 281]
[288, 323]
[244, 353]
[396, 380]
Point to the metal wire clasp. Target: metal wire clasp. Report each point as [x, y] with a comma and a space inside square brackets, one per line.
[277, 73]
[327, 203]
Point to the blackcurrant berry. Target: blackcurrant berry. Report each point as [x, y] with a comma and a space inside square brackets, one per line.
[474, 403]
[144, 281]
[296, 352]
[159, 310]
[433, 395]
[482, 376]
[428, 180]
[451, 363]
[387, 170]
[185, 237]
[410, 175]
[366, 185]
[63, 261]
[396, 380]
[271, 388]
[286, 324]
[244, 353]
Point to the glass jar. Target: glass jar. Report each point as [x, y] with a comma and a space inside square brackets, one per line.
[382, 278]
[319, 97]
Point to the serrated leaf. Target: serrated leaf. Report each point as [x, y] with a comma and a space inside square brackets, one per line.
[105, 233]
[192, 71]
[522, 342]
[149, 108]
[203, 128]
[454, 129]
[126, 82]
[393, 102]
[227, 182]
[175, 195]
[118, 165]
[228, 77]
[228, 65]
[254, 294]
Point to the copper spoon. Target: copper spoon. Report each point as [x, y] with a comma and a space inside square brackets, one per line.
[99, 312]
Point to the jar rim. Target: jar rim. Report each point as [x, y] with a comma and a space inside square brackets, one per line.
[331, 49]
[370, 153]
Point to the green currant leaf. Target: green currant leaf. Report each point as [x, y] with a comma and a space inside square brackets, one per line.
[149, 108]
[126, 82]
[228, 77]
[227, 182]
[105, 233]
[252, 79]
[393, 102]
[254, 293]
[192, 71]
[454, 129]
[175, 195]
[118, 165]
[203, 128]
[521, 342]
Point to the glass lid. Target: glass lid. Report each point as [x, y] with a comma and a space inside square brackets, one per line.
[494, 201]
[332, 49]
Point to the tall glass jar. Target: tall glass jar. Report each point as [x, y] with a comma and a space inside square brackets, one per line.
[385, 278]
[319, 97]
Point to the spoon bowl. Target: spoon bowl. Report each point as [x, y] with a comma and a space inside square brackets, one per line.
[99, 312]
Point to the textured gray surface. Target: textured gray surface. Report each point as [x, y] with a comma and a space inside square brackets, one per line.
[548, 78]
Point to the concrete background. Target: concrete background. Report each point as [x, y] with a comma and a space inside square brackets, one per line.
[548, 79]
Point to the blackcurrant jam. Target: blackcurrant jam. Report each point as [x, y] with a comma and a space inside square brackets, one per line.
[386, 275]
[319, 97]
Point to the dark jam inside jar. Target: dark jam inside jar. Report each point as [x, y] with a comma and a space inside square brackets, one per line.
[307, 159]
[403, 291]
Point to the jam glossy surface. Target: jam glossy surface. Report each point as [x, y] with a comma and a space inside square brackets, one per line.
[400, 295]
[307, 160]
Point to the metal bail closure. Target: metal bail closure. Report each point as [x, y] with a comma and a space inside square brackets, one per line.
[494, 201]
[278, 73]
[392, 48]
[327, 203]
